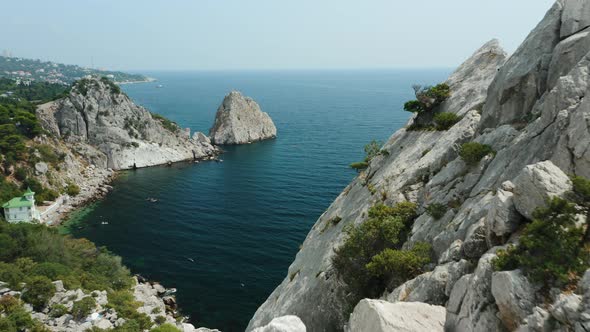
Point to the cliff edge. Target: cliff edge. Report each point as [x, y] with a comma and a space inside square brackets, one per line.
[531, 111]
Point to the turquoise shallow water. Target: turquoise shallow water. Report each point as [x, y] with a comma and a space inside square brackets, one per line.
[242, 220]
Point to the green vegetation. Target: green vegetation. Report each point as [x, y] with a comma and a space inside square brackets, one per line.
[38, 291]
[169, 125]
[445, 120]
[58, 310]
[126, 306]
[473, 152]
[72, 189]
[428, 98]
[38, 252]
[165, 328]
[35, 91]
[83, 307]
[14, 317]
[115, 89]
[551, 249]
[371, 258]
[436, 210]
[372, 150]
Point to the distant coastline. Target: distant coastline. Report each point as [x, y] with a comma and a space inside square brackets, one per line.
[146, 80]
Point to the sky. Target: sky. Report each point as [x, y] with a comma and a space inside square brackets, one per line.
[262, 34]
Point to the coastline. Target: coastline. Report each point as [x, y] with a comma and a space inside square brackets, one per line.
[147, 80]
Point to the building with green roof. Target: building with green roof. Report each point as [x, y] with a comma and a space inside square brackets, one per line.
[21, 209]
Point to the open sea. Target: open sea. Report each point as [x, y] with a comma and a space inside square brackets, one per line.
[225, 233]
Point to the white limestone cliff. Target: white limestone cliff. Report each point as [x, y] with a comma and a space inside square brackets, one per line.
[532, 110]
[97, 116]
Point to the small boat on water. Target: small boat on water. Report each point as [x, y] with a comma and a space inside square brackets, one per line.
[190, 259]
[159, 86]
[151, 199]
[104, 223]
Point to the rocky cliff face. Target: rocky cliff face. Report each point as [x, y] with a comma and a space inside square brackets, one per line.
[239, 120]
[532, 110]
[104, 125]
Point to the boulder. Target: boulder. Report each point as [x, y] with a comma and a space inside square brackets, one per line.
[239, 120]
[382, 316]
[514, 297]
[283, 324]
[502, 218]
[566, 308]
[201, 138]
[59, 286]
[41, 168]
[538, 183]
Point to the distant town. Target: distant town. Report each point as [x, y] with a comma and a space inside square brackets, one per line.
[24, 71]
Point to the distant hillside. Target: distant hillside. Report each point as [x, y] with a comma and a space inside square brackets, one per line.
[29, 70]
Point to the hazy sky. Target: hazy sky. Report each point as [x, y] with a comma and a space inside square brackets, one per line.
[262, 34]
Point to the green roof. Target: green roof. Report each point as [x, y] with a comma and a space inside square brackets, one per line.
[29, 192]
[17, 202]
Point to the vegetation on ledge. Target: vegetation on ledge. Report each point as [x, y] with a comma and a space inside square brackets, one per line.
[372, 150]
[473, 152]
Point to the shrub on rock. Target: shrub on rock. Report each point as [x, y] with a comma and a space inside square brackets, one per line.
[445, 120]
[38, 291]
[473, 152]
[83, 307]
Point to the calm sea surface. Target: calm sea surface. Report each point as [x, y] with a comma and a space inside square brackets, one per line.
[242, 220]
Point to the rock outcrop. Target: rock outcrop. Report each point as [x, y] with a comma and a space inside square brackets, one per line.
[533, 110]
[383, 316]
[104, 125]
[239, 120]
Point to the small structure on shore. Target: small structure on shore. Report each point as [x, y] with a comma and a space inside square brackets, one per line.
[21, 209]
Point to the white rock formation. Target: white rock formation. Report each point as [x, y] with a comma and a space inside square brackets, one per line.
[536, 116]
[383, 316]
[239, 120]
[538, 183]
[283, 324]
[111, 131]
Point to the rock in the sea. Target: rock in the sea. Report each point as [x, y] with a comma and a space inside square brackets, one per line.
[239, 120]
[288, 323]
[382, 316]
[536, 184]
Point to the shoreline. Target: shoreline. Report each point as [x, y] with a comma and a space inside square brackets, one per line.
[147, 80]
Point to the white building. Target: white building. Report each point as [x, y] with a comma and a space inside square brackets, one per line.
[21, 209]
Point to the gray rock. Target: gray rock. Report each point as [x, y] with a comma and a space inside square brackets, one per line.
[59, 286]
[239, 120]
[110, 131]
[41, 168]
[201, 138]
[283, 324]
[453, 253]
[566, 308]
[575, 17]
[514, 297]
[103, 324]
[502, 218]
[538, 321]
[538, 183]
[382, 316]
[567, 55]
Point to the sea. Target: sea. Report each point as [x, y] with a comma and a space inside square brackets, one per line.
[224, 233]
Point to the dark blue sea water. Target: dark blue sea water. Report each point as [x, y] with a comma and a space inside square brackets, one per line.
[242, 220]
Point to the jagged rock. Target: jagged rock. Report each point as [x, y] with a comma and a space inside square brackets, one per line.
[538, 321]
[103, 324]
[522, 79]
[475, 243]
[59, 286]
[109, 130]
[201, 138]
[575, 17]
[536, 184]
[382, 316]
[414, 160]
[514, 297]
[41, 168]
[471, 304]
[283, 324]
[239, 120]
[567, 54]
[502, 218]
[453, 253]
[566, 308]
[431, 287]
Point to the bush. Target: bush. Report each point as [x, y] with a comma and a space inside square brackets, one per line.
[58, 310]
[436, 210]
[38, 291]
[551, 250]
[397, 266]
[386, 228]
[372, 150]
[165, 328]
[445, 120]
[160, 320]
[72, 189]
[473, 152]
[83, 307]
[20, 174]
[428, 98]
[166, 123]
[359, 166]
